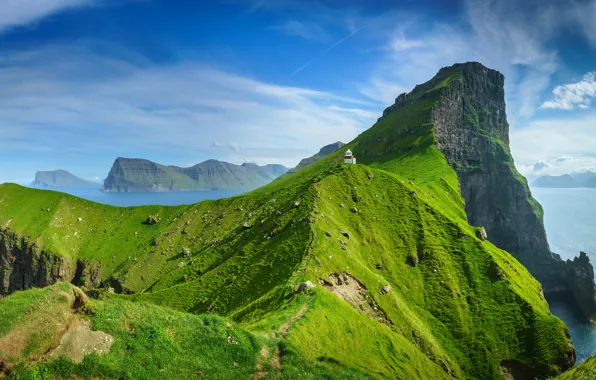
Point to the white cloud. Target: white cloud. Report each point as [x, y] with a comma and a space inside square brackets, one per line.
[567, 145]
[67, 100]
[578, 94]
[15, 13]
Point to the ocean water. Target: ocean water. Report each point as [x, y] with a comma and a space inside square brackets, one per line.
[173, 198]
[570, 222]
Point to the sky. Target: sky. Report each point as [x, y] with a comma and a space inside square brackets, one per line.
[271, 81]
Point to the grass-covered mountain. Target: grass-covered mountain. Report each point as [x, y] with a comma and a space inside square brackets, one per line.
[573, 180]
[59, 178]
[340, 271]
[139, 175]
[324, 151]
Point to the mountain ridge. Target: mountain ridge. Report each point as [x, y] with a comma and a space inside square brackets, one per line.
[573, 180]
[141, 175]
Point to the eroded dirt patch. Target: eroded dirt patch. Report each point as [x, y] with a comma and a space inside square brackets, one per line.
[80, 341]
[353, 291]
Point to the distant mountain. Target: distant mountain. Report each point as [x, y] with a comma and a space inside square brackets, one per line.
[573, 180]
[139, 175]
[59, 178]
[327, 149]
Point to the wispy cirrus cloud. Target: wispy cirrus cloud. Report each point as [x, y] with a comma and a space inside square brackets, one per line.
[572, 95]
[303, 29]
[14, 13]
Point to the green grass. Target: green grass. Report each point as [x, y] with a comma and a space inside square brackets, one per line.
[585, 371]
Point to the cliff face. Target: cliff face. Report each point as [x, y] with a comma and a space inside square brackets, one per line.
[23, 265]
[138, 175]
[471, 130]
[59, 178]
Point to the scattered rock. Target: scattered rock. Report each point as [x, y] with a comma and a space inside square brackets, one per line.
[343, 242]
[246, 226]
[378, 266]
[385, 289]
[305, 286]
[328, 233]
[80, 219]
[354, 210]
[345, 233]
[111, 290]
[185, 232]
[231, 340]
[481, 234]
[342, 205]
[413, 261]
[370, 176]
[180, 265]
[186, 252]
[296, 204]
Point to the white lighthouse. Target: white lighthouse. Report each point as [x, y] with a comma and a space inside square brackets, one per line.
[349, 158]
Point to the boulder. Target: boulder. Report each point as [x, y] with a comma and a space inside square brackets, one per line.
[185, 251]
[345, 233]
[246, 226]
[328, 233]
[305, 286]
[413, 261]
[354, 210]
[481, 234]
[385, 289]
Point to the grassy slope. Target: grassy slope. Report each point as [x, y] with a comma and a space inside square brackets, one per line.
[150, 342]
[458, 321]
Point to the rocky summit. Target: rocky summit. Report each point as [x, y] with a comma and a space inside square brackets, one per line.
[139, 175]
[416, 263]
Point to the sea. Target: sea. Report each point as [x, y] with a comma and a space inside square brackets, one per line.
[569, 219]
[570, 222]
[173, 198]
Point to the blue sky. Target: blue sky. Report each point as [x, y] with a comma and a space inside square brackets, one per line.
[271, 81]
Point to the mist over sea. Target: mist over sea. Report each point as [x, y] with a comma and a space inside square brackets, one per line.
[570, 222]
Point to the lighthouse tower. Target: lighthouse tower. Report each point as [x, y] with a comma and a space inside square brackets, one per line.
[349, 157]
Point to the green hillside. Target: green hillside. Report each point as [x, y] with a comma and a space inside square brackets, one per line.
[403, 286]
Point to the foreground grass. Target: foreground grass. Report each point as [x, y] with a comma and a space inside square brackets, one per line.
[153, 342]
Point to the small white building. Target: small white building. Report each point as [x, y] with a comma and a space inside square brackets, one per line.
[349, 158]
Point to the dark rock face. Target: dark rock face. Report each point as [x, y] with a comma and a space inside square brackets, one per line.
[23, 265]
[471, 130]
[580, 277]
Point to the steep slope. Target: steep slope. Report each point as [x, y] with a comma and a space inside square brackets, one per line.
[561, 181]
[59, 178]
[138, 175]
[324, 151]
[371, 267]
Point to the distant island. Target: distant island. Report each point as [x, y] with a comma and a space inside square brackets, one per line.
[326, 150]
[59, 178]
[140, 175]
[573, 180]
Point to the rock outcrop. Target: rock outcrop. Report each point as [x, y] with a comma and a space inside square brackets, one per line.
[470, 126]
[139, 175]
